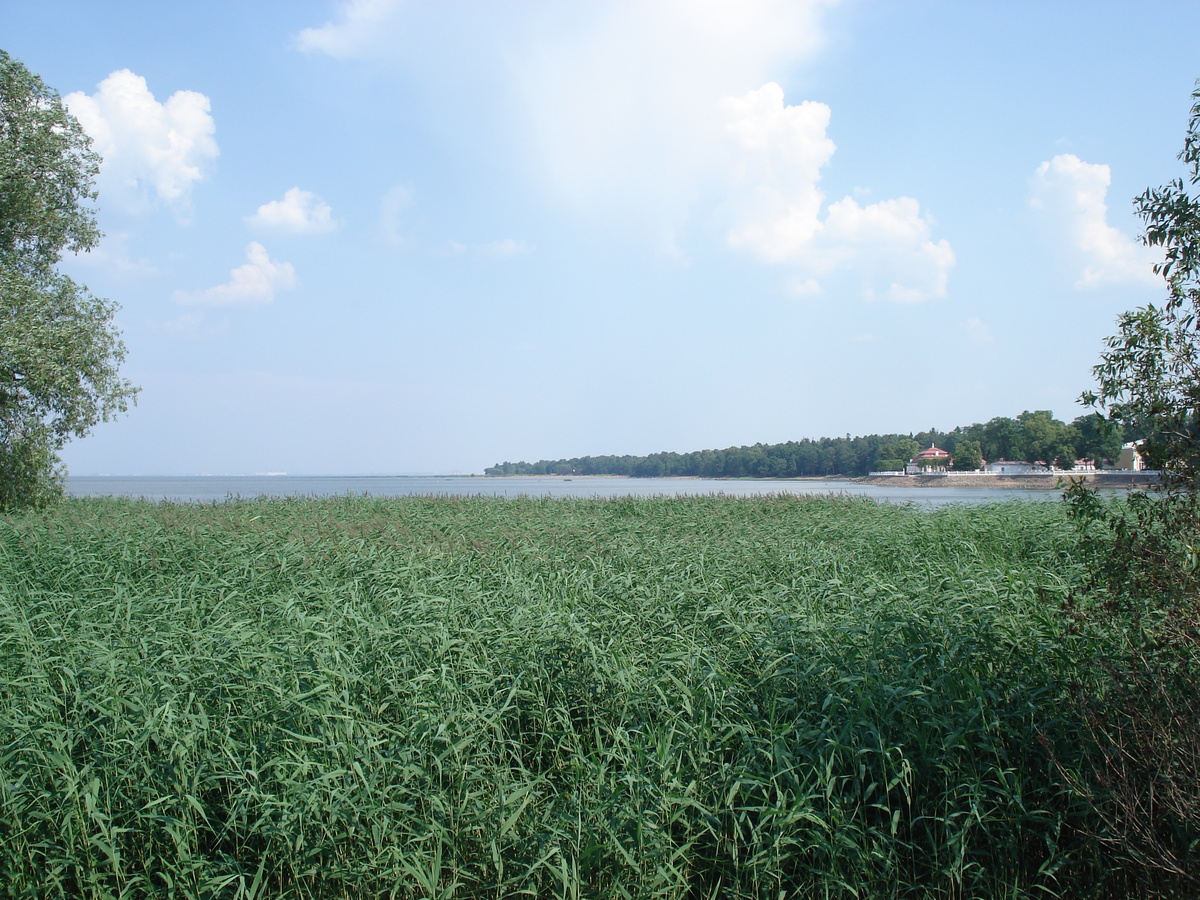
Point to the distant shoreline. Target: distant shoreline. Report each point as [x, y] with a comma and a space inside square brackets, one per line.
[1037, 481]
[1034, 481]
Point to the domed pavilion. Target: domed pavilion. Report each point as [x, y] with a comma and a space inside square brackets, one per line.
[932, 459]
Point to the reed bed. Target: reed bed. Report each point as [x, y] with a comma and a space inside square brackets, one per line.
[469, 697]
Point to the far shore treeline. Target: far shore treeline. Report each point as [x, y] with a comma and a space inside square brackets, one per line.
[1031, 436]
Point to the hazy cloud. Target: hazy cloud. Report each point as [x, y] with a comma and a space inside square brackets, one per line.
[299, 212]
[195, 325]
[251, 284]
[623, 110]
[152, 151]
[652, 114]
[113, 254]
[891, 241]
[360, 26]
[1072, 196]
[804, 287]
[976, 331]
[612, 108]
[505, 248]
[393, 206]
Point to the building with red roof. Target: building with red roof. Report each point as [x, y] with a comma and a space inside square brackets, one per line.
[932, 459]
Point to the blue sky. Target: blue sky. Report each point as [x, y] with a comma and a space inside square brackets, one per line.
[406, 236]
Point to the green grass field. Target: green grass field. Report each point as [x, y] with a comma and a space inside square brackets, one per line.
[437, 697]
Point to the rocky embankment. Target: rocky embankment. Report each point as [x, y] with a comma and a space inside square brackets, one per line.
[1040, 481]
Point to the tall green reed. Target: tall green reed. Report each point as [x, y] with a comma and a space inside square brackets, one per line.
[434, 697]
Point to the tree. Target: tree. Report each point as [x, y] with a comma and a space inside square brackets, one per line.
[1145, 720]
[968, 456]
[901, 448]
[1149, 375]
[1002, 439]
[59, 350]
[1098, 439]
[1047, 439]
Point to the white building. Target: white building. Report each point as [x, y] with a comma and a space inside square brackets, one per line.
[1131, 457]
[930, 461]
[1012, 467]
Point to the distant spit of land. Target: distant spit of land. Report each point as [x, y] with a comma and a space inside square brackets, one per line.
[1034, 481]
[1038, 481]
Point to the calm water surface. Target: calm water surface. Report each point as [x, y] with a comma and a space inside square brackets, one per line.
[214, 488]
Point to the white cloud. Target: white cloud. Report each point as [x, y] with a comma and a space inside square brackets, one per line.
[891, 241]
[299, 212]
[613, 108]
[976, 331]
[152, 151]
[251, 284]
[776, 204]
[652, 115]
[1072, 195]
[785, 149]
[505, 248]
[623, 110]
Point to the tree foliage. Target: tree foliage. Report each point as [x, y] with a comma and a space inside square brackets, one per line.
[1026, 437]
[59, 350]
[1148, 376]
[968, 456]
[1148, 383]
[1144, 718]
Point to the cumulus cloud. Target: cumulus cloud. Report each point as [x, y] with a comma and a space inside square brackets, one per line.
[252, 284]
[779, 214]
[153, 152]
[1072, 196]
[785, 149]
[299, 212]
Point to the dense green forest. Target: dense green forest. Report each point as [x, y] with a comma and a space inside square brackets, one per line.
[1030, 436]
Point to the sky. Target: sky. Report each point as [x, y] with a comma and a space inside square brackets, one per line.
[427, 236]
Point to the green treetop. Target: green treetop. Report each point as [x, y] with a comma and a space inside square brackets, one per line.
[1149, 375]
[59, 349]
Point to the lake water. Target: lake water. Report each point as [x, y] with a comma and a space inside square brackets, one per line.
[216, 488]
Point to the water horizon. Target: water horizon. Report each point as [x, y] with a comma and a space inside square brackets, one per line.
[222, 488]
